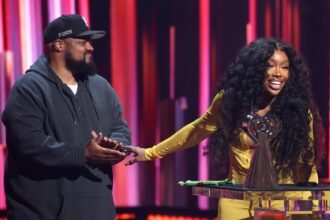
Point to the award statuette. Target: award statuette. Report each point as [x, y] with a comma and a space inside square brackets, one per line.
[262, 130]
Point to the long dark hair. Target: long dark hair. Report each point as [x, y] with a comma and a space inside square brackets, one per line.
[243, 85]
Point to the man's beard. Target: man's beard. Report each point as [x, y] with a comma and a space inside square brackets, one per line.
[80, 69]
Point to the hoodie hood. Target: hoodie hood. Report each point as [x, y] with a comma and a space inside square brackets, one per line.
[42, 67]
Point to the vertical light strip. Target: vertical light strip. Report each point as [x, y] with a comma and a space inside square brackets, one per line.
[268, 20]
[3, 94]
[124, 66]
[23, 35]
[2, 88]
[10, 69]
[13, 35]
[6, 24]
[329, 114]
[68, 7]
[2, 39]
[83, 10]
[277, 18]
[158, 170]
[251, 29]
[54, 9]
[31, 32]
[204, 80]
[296, 25]
[37, 30]
[286, 21]
[131, 97]
[10, 26]
[36, 45]
[7, 79]
[172, 62]
[150, 109]
[2, 75]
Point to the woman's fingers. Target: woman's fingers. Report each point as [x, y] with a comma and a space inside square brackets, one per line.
[131, 162]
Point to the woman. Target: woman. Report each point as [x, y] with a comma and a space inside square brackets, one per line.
[267, 77]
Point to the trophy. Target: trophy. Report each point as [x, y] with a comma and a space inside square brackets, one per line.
[262, 130]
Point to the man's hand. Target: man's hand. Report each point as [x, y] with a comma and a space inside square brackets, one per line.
[138, 155]
[113, 144]
[99, 150]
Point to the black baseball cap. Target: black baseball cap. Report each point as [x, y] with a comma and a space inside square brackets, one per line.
[66, 26]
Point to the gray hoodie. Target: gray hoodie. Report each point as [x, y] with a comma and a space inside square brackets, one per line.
[48, 129]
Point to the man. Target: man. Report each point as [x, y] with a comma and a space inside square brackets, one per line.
[62, 121]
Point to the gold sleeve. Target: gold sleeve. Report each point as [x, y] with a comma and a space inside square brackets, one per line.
[190, 134]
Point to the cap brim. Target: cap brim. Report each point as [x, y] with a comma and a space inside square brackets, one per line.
[92, 34]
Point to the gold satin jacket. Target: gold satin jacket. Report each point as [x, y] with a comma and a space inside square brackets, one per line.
[240, 152]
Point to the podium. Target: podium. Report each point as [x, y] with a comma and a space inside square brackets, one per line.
[317, 204]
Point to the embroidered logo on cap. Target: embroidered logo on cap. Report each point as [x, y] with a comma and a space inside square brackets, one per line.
[65, 33]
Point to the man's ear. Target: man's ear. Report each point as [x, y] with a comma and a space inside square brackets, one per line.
[58, 46]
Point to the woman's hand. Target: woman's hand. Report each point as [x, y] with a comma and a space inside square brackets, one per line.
[138, 154]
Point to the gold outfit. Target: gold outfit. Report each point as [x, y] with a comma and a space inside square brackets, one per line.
[240, 155]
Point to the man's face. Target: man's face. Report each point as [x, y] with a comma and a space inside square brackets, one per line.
[78, 56]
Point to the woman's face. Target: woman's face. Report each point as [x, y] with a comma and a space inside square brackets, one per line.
[277, 73]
